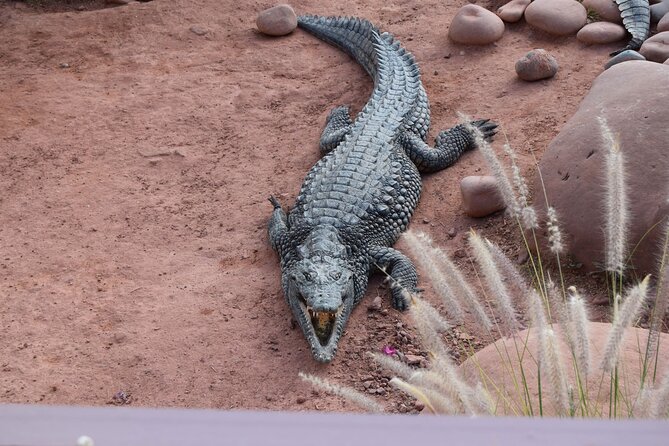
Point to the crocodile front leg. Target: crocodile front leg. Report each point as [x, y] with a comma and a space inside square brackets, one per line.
[278, 225]
[449, 145]
[400, 269]
[337, 126]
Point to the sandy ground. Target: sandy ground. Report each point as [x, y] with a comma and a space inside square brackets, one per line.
[136, 158]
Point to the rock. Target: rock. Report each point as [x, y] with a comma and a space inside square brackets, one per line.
[413, 359]
[656, 48]
[623, 57]
[632, 351]
[513, 11]
[633, 97]
[198, 30]
[375, 305]
[659, 11]
[558, 17]
[601, 32]
[475, 25]
[480, 196]
[606, 10]
[535, 65]
[663, 24]
[278, 20]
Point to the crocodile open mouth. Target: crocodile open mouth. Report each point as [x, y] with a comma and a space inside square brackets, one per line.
[322, 322]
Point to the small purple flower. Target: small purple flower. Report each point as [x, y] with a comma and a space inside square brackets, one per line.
[389, 350]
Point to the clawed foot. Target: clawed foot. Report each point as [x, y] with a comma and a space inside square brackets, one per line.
[274, 202]
[487, 127]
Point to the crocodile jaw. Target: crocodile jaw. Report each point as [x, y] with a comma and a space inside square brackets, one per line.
[322, 329]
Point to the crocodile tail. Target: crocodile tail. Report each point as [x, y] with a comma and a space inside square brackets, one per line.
[350, 34]
[636, 18]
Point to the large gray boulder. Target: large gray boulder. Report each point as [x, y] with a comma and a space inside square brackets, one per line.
[633, 97]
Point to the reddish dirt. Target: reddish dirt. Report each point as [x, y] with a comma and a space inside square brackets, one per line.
[136, 158]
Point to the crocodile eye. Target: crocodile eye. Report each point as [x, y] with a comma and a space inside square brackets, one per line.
[335, 275]
[307, 277]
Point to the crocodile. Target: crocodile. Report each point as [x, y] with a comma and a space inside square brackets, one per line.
[636, 19]
[358, 198]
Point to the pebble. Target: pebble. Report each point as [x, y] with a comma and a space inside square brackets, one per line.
[198, 30]
[480, 196]
[601, 32]
[623, 57]
[475, 25]
[536, 64]
[606, 10]
[663, 24]
[301, 400]
[513, 11]
[413, 359]
[278, 20]
[64, 65]
[558, 17]
[452, 232]
[656, 48]
[375, 305]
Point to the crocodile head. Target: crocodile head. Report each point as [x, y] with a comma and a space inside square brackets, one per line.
[321, 293]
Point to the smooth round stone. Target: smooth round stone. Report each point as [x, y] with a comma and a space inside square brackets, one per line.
[606, 10]
[557, 17]
[656, 48]
[623, 57]
[536, 65]
[278, 20]
[480, 196]
[513, 11]
[474, 25]
[663, 24]
[601, 32]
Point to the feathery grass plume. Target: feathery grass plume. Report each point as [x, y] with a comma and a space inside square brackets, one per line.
[578, 325]
[658, 404]
[441, 362]
[505, 187]
[414, 391]
[494, 280]
[633, 302]
[555, 302]
[617, 211]
[428, 379]
[458, 284]
[551, 365]
[422, 252]
[661, 304]
[554, 234]
[507, 267]
[348, 393]
[527, 212]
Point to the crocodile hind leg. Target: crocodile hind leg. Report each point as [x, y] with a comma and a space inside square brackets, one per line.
[337, 126]
[402, 273]
[278, 225]
[449, 145]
